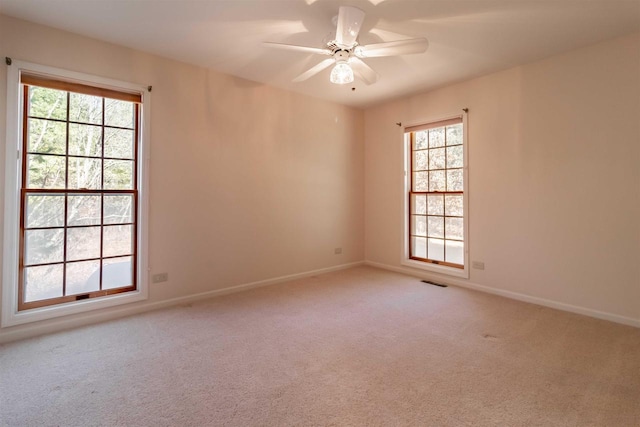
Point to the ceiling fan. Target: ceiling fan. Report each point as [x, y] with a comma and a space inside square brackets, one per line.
[346, 54]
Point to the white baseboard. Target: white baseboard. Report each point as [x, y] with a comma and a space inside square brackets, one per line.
[49, 326]
[512, 295]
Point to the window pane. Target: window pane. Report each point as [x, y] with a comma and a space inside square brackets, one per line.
[46, 136]
[421, 181]
[454, 134]
[83, 243]
[83, 277]
[435, 204]
[45, 171]
[436, 137]
[117, 209]
[118, 113]
[118, 143]
[419, 247]
[118, 175]
[42, 282]
[421, 140]
[436, 226]
[437, 181]
[436, 159]
[83, 210]
[118, 240]
[44, 246]
[47, 103]
[117, 272]
[84, 140]
[454, 157]
[455, 252]
[453, 205]
[419, 225]
[454, 228]
[85, 108]
[455, 180]
[420, 160]
[419, 204]
[85, 173]
[436, 249]
[44, 211]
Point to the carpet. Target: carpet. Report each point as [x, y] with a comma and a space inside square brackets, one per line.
[359, 347]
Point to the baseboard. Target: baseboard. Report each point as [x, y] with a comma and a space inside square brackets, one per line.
[55, 325]
[510, 294]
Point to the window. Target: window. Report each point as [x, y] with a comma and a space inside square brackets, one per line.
[436, 226]
[78, 180]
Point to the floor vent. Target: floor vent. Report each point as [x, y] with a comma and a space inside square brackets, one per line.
[434, 284]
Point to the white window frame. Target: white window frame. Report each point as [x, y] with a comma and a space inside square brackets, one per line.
[13, 174]
[406, 187]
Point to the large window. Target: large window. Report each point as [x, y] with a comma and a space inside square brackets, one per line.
[436, 193]
[78, 193]
[78, 181]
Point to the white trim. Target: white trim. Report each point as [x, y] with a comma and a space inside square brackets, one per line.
[144, 159]
[10, 314]
[512, 295]
[95, 317]
[11, 196]
[80, 78]
[406, 224]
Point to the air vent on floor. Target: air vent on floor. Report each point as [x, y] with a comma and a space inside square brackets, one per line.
[434, 284]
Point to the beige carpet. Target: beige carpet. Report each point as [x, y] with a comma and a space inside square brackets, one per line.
[357, 347]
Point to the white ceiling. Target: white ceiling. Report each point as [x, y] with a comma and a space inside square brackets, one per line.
[467, 38]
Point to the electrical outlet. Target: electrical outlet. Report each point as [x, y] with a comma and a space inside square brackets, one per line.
[478, 265]
[160, 277]
[337, 251]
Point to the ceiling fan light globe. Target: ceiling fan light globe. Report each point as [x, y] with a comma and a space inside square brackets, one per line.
[341, 74]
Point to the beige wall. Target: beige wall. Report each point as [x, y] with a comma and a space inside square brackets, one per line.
[248, 182]
[554, 171]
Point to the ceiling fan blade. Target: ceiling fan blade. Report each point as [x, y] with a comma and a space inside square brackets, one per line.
[314, 70]
[348, 26]
[362, 70]
[399, 47]
[297, 48]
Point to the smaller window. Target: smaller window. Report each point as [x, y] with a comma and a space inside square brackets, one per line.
[436, 199]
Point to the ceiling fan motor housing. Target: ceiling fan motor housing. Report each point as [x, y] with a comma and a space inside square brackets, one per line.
[341, 55]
